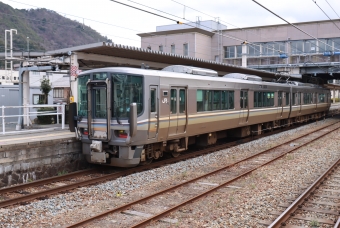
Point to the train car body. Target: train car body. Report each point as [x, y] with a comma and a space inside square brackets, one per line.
[131, 116]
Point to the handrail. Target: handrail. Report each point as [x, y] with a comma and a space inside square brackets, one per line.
[60, 111]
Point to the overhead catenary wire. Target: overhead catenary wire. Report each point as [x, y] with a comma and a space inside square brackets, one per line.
[202, 12]
[325, 14]
[333, 9]
[249, 43]
[253, 44]
[293, 25]
[176, 48]
[230, 37]
[275, 42]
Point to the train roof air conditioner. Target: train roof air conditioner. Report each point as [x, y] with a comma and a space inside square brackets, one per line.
[191, 70]
[243, 76]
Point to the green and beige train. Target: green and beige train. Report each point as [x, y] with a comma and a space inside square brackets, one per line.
[131, 116]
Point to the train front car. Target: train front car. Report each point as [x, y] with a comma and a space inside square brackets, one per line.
[109, 102]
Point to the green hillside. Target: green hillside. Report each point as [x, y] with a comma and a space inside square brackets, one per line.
[46, 29]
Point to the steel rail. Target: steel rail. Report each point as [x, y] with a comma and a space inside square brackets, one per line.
[46, 181]
[200, 177]
[108, 177]
[162, 214]
[280, 221]
[337, 224]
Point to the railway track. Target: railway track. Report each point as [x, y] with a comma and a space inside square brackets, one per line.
[205, 184]
[35, 190]
[317, 206]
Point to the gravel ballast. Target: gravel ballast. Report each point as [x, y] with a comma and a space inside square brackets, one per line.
[259, 193]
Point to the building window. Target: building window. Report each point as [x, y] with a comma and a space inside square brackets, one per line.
[310, 46]
[229, 52]
[39, 99]
[239, 51]
[3, 77]
[268, 49]
[296, 47]
[58, 93]
[15, 78]
[336, 44]
[185, 49]
[254, 50]
[173, 49]
[161, 48]
[325, 45]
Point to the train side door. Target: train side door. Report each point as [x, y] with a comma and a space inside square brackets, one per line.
[315, 101]
[178, 110]
[244, 112]
[280, 99]
[99, 109]
[153, 112]
[299, 101]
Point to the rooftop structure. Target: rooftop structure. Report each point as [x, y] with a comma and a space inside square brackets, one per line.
[274, 48]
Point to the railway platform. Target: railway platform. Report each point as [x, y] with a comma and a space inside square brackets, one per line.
[33, 155]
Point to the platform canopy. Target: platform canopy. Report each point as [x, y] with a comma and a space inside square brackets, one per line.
[105, 54]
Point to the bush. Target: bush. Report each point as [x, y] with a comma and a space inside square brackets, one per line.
[45, 119]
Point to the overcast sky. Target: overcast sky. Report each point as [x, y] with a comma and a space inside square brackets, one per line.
[123, 23]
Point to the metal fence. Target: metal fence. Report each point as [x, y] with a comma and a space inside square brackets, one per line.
[58, 110]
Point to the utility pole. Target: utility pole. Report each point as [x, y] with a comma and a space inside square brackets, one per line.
[28, 47]
[10, 56]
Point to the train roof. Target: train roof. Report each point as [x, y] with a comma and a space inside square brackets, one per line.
[160, 73]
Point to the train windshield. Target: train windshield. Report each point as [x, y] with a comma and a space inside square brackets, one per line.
[126, 89]
[82, 95]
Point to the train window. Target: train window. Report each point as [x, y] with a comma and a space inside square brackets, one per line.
[225, 100]
[307, 98]
[199, 100]
[208, 100]
[173, 103]
[287, 99]
[263, 99]
[99, 76]
[294, 99]
[153, 100]
[126, 89]
[279, 99]
[231, 104]
[299, 98]
[100, 102]
[216, 100]
[182, 101]
[321, 98]
[82, 95]
[244, 99]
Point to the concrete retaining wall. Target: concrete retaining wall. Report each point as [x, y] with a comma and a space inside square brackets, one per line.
[21, 163]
